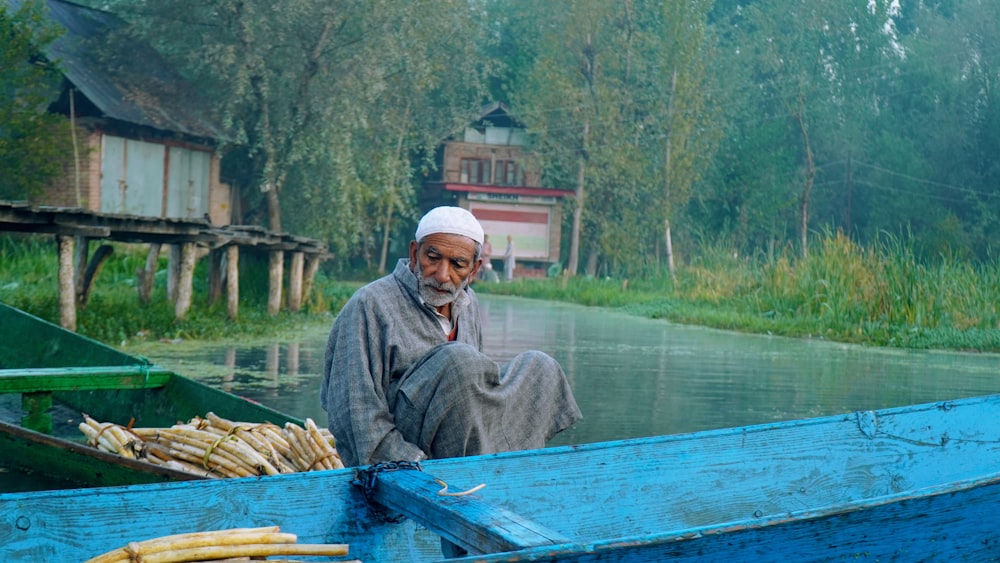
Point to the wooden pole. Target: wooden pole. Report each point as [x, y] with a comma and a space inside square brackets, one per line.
[67, 282]
[275, 273]
[309, 277]
[81, 253]
[147, 276]
[185, 280]
[173, 271]
[233, 281]
[295, 282]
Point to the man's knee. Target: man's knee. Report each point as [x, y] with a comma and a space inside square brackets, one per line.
[536, 362]
[464, 365]
[457, 353]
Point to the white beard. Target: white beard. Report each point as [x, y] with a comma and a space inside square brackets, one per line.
[430, 290]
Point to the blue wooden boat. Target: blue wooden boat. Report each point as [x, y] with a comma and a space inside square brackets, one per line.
[916, 483]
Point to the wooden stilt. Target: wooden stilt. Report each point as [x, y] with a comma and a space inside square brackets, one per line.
[147, 276]
[74, 229]
[81, 253]
[275, 271]
[185, 280]
[67, 283]
[295, 282]
[309, 277]
[173, 271]
[233, 281]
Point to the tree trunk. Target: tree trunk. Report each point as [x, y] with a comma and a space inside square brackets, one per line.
[848, 189]
[810, 176]
[386, 228]
[668, 244]
[273, 208]
[391, 206]
[574, 245]
[592, 257]
[279, 146]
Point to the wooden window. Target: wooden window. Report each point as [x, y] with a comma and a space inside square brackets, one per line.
[475, 171]
[508, 173]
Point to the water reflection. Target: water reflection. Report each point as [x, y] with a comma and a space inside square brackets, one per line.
[634, 377]
[637, 377]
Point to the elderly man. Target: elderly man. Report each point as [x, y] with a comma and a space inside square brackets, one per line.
[405, 378]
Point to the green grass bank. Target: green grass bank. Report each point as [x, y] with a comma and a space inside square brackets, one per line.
[880, 295]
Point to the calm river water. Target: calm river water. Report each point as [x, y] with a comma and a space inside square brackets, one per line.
[632, 377]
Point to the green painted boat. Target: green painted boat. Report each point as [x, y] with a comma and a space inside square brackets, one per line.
[50, 377]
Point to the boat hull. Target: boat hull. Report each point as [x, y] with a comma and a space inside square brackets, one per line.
[50, 377]
[916, 483]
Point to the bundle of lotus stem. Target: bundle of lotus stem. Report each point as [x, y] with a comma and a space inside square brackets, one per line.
[220, 545]
[216, 447]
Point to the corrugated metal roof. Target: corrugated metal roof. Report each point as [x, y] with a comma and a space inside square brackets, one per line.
[139, 88]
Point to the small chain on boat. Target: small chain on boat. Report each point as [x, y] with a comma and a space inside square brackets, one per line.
[367, 479]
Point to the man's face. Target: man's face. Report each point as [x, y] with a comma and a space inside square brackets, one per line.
[444, 265]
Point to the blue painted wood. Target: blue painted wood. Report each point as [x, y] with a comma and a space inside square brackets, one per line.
[951, 523]
[917, 483]
[465, 520]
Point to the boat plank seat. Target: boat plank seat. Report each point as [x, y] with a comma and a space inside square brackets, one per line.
[36, 386]
[31, 380]
[465, 520]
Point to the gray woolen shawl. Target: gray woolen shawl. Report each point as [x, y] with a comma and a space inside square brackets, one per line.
[383, 330]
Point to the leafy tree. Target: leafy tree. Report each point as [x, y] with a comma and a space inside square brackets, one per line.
[431, 82]
[554, 90]
[596, 85]
[34, 144]
[953, 119]
[327, 101]
[804, 61]
[683, 132]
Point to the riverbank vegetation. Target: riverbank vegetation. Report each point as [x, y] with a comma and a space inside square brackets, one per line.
[883, 294]
[113, 314]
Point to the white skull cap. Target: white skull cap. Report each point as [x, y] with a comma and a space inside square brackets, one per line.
[450, 221]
